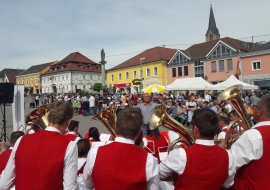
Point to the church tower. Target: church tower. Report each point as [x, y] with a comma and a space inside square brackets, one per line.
[212, 32]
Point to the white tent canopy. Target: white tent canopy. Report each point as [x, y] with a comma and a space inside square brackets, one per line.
[196, 83]
[232, 81]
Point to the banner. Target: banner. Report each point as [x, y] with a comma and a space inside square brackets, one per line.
[18, 108]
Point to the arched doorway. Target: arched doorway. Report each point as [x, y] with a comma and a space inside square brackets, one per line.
[37, 91]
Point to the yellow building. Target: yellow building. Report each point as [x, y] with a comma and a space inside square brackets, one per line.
[151, 63]
[30, 78]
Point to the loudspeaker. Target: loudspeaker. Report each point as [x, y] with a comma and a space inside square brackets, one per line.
[6, 92]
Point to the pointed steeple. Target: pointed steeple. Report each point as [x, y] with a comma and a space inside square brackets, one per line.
[212, 32]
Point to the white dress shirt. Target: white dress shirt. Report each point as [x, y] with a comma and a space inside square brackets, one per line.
[73, 133]
[222, 134]
[69, 169]
[151, 169]
[249, 146]
[177, 159]
[92, 101]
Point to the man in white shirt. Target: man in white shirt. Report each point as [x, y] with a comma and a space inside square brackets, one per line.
[204, 165]
[92, 104]
[46, 156]
[121, 164]
[228, 106]
[251, 151]
[207, 97]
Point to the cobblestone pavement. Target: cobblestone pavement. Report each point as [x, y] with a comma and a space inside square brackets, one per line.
[85, 121]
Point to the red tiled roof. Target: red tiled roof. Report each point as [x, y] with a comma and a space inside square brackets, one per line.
[11, 78]
[202, 49]
[73, 62]
[76, 67]
[76, 57]
[151, 55]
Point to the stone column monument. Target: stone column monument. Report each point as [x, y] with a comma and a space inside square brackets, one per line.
[102, 62]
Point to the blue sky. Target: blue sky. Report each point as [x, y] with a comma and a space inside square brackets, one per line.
[34, 32]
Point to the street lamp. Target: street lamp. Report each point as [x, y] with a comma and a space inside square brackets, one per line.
[141, 59]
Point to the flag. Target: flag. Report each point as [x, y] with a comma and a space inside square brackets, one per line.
[238, 73]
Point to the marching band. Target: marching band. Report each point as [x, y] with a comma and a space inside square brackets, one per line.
[237, 158]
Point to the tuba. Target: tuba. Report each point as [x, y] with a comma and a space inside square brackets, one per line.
[231, 94]
[108, 118]
[161, 118]
[38, 117]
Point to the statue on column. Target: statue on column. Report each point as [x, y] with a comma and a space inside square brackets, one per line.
[102, 55]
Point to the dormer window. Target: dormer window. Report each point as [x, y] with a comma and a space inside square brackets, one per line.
[50, 69]
[55, 68]
[90, 67]
[81, 66]
[62, 67]
[98, 68]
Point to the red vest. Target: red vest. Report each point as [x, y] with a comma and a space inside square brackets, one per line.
[39, 161]
[124, 166]
[206, 168]
[255, 175]
[232, 131]
[4, 159]
[154, 146]
[70, 137]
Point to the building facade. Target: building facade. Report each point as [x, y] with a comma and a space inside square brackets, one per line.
[72, 74]
[256, 67]
[5, 72]
[214, 60]
[149, 65]
[30, 78]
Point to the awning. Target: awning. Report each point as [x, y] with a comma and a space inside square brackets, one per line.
[122, 85]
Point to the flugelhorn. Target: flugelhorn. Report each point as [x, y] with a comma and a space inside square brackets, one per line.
[231, 94]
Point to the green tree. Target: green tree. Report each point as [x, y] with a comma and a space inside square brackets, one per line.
[97, 86]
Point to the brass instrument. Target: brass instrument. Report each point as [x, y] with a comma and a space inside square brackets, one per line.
[231, 94]
[161, 118]
[38, 117]
[108, 118]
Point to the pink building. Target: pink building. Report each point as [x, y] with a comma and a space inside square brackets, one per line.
[256, 67]
[214, 60]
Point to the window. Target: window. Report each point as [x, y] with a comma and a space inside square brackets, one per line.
[199, 68]
[18, 82]
[179, 59]
[120, 76]
[83, 76]
[134, 74]
[81, 66]
[148, 72]
[55, 68]
[173, 72]
[66, 76]
[221, 65]
[256, 65]
[62, 77]
[221, 51]
[229, 65]
[36, 80]
[83, 86]
[179, 71]
[127, 76]
[185, 70]
[50, 69]
[155, 71]
[75, 86]
[31, 81]
[98, 68]
[213, 66]
[141, 73]
[90, 67]
[58, 78]
[26, 81]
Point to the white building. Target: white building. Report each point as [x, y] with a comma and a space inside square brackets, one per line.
[75, 72]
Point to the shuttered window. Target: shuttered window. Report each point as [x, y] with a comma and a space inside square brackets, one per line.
[229, 65]
[173, 72]
[213, 66]
[221, 65]
[179, 71]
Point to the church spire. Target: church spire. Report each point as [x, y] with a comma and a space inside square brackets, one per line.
[212, 32]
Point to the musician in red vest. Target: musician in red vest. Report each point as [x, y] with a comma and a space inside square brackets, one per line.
[223, 125]
[44, 160]
[121, 164]
[5, 155]
[251, 151]
[73, 131]
[204, 165]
